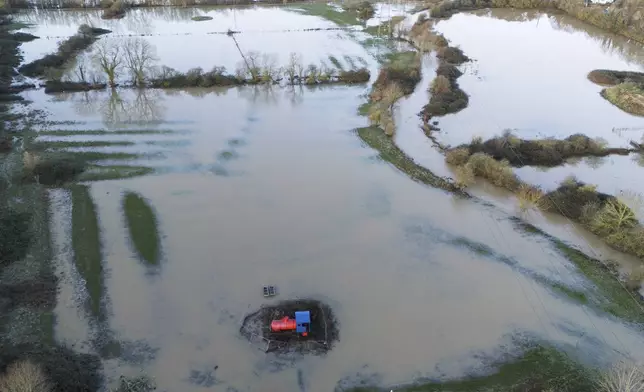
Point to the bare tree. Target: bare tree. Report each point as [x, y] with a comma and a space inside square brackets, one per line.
[139, 56]
[82, 69]
[108, 57]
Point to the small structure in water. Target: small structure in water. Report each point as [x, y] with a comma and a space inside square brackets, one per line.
[305, 326]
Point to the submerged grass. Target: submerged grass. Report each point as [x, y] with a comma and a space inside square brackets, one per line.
[114, 172]
[89, 143]
[375, 138]
[620, 301]
[539, 368]
[86, 243]
[142, 224]
[98, 132]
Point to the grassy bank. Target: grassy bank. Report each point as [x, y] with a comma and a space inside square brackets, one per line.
[446, 95]
[626, 89]
[623, 17]
[397, 78]
[602, 214]
[142, 225]
[538, 369]
[547, 152]
[30, 359]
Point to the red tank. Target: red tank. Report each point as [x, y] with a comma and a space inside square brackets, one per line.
[285, 324]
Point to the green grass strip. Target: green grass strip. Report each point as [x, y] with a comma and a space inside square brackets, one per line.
[86, 243]
[143, 227]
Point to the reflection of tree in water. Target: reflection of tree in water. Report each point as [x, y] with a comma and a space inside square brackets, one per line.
[295, 94]
[260, 93]
[143, 108]
[610, 43]
[594, 162]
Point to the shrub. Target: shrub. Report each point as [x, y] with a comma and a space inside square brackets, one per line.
[543, 152]
[464, 176]
[440, 85]
[24, 376]
[361, 75]
[115, 11]
[402, 68]
[451, 55]
[457, 156]
[613, 216]
[530, 197]
[570, 198]
[498, 173]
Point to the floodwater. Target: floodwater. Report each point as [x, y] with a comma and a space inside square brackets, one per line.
[306, 207]
[182, 43]
[529, 76]
[272, 186]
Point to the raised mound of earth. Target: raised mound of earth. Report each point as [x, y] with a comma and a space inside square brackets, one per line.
[323, 328]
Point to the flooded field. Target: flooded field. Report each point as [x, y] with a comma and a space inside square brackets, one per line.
[536, 89]
[237, 188]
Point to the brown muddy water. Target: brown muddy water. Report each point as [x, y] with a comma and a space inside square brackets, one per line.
[264, 186]
[529, 75]
[303, 205]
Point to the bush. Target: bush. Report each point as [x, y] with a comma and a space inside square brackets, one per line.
[451, 55]
[364, 9]
[542, 152]
[115, 11]
[361, 75]
[24, 376]
[498, 173]
[457, 156]
[440, 85]
[570, 198]
[401, 68]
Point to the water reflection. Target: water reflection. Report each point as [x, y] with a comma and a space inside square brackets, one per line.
[611, 43]
[143, 107]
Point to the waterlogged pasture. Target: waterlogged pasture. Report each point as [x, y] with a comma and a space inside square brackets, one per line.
[233, 189]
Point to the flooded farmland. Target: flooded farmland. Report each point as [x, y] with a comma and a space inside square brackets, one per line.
[196, 198]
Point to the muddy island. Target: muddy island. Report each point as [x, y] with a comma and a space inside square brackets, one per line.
[322, 330]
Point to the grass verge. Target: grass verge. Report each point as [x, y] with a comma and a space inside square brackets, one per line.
[388, 151]
[142, 224]
[114, 172]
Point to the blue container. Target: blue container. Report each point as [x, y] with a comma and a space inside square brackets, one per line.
[303, 321]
